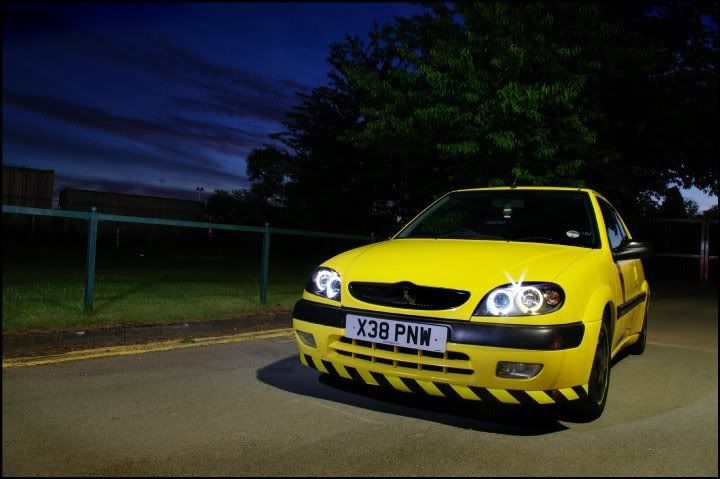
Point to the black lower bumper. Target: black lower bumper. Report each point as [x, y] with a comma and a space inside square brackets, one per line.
[541, 338]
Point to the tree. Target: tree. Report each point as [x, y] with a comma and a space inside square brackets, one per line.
[237, 207]
[267, 169]
[472, 94]
[328, 181]
[503, 93]
[675, 206]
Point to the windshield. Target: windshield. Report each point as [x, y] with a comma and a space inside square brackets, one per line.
[538, 216]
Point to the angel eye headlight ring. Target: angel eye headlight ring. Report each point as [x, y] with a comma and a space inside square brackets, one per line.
[521, 299]
[325, 282]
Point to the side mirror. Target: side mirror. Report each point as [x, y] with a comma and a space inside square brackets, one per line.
[632, 250]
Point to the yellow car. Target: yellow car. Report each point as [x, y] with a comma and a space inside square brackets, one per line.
[516, 295]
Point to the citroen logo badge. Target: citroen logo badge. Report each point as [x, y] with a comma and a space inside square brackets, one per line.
[408, 297]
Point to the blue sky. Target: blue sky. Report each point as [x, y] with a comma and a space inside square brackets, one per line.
[161, 98]
[166, 97]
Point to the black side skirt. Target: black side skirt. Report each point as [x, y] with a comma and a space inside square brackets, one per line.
[627, 306]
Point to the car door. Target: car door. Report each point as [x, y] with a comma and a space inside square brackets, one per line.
[627, 269]
[634, 314]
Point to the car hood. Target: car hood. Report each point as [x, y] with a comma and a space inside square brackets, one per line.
[476, 266]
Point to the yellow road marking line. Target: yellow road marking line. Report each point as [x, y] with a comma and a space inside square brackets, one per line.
[144, 348]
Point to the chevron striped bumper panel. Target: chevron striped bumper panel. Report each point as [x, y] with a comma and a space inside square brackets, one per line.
[442, 389]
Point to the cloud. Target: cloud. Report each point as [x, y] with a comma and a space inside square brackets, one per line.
[194, 133]
[165, 132]
[217, 88]
[119, 158]
[63, 181]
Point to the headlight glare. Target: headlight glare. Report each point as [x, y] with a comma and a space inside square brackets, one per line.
[522, 299]
[325, 282]
[500, 301]
[529, 299]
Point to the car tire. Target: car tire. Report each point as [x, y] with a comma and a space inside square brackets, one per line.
[639, 346]
[591, 407]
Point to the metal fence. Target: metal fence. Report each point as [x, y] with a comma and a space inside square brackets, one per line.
[683, 249]
[93, 218]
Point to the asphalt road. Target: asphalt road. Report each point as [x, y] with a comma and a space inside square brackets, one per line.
[251, 409]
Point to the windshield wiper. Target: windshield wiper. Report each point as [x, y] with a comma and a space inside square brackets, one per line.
[464, 232]
[530, 238]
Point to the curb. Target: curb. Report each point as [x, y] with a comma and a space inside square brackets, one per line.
[144, 348]
[29, 344]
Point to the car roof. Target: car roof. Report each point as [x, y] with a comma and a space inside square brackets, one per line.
[546, 188]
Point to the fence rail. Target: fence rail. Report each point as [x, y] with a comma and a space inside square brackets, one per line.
[93, 217]
[681, 246]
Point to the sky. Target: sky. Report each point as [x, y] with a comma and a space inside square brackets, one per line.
[164, 98]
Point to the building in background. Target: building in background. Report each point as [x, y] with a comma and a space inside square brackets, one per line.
[135, 235]
[130, 205]
[27, 187]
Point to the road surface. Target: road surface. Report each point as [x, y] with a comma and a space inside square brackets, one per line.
[251, 409]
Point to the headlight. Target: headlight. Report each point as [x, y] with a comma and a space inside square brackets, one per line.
[325, 282]
[523, 299]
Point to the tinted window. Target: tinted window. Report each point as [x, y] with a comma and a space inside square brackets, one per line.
[615, 230]
[540, 216]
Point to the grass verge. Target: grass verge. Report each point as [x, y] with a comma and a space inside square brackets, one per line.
[48, 294]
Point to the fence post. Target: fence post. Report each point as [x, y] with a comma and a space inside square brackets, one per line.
[704, 249]
[264, 266]
[90, 261]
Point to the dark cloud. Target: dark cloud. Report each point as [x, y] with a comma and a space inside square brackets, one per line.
[192, 133]
[248, 107]
[63, 181]
[217, 88]
[155, 54]
[108, 156]
[164, 133]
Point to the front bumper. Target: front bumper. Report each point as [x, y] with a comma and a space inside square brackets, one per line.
[467, 369]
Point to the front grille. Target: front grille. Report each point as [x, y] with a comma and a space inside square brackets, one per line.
[451, 362]
[408, 295]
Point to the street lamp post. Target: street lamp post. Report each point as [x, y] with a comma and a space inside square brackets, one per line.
[199, 189]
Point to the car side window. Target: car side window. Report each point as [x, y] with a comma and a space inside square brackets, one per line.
[615, 231]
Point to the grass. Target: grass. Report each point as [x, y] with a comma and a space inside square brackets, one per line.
[46, 292]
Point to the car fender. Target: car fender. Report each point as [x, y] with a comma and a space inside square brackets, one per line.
[340, 263]
[595, 306]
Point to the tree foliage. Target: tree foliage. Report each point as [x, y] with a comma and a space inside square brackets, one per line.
[618, 97]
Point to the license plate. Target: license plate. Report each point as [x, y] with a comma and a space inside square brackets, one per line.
[428, 337]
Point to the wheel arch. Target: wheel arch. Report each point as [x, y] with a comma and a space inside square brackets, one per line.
[601, 307]
[608, 317]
